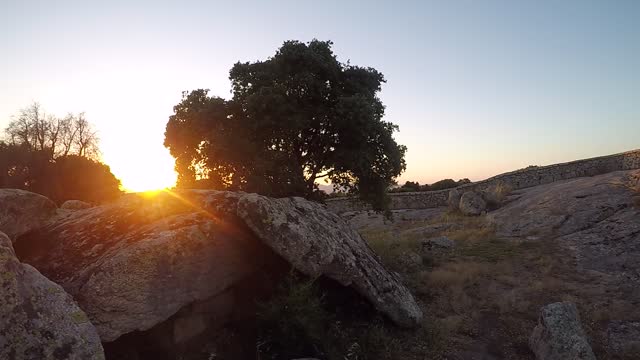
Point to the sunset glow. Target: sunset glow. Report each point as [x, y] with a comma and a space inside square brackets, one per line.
[152, 171]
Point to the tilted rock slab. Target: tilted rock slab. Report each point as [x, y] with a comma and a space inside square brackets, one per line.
[135, 263]
[21, 211]
[38, 319]
[318, 242]
[559, 334]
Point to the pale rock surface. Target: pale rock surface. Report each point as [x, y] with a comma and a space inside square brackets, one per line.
[453, 200]
[39, 320]
[318, 242]
[472, 204]
[595, 217]
[134, 263]
[75, 205]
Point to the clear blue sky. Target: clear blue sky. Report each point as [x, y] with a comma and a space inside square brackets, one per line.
[477, 87]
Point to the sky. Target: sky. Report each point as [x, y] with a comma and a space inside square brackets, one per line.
[477, 87]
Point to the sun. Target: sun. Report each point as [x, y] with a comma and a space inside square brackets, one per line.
[144, 172]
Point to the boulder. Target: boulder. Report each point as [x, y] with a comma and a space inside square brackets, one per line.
[453, 200]
[559, 334]
[318, 242]
[21, 211]
[472, 204]
[39, 319]
[75, 205]
[136, 262]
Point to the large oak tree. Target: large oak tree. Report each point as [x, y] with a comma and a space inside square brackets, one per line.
[296, 118]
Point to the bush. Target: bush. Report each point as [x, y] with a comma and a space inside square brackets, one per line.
[78, 178]
[294, 322]
[70, 177]
[496, 195]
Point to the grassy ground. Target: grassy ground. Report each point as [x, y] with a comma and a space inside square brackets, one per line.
[482, 297]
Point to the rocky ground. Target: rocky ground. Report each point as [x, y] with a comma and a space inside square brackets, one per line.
[548, 272]
[483, 280]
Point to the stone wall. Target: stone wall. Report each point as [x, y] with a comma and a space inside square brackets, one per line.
[519, 179]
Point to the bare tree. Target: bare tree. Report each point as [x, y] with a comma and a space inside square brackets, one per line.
[71, 135]
[87, 138]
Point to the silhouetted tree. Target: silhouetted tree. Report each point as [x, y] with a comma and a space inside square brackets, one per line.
[409, 186]
[77, 177]
[71, 135]
[295, 118]
[55, 157]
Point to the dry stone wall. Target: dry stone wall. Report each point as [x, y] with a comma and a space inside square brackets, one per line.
[519, 179]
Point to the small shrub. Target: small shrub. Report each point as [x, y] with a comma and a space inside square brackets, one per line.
[393, 250]
[496, 196]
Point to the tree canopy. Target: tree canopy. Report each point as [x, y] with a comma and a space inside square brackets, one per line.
[56, 157]
[411, 186]
[296, 118]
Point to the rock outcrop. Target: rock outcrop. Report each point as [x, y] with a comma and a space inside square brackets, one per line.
[559, 334]
[39, 320]
[135, 263]
[21, 211]
[595, 217]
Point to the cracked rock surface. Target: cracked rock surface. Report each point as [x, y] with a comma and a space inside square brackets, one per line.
[597, 218]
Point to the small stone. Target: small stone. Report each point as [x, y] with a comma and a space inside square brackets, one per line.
[440, 242]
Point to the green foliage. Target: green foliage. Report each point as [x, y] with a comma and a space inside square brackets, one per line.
[411, 186]
[60, 179]
[55, 157]
[295, 118]
[74, 177]
[294, 322]
[299, 322]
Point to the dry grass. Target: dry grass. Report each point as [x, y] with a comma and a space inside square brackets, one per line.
[497, 195]
[487, 292]
[396, 252]
[456, 274]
